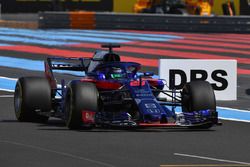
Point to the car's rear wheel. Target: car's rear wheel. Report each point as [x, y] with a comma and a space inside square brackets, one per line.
[32, 95]
[80, 96]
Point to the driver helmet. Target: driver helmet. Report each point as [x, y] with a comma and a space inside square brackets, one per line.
[116, 72]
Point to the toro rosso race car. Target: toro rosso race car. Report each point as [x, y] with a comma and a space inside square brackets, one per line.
[111, 93]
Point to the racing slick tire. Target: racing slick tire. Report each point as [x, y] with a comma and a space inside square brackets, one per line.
[32, 94]
[80, 96]
[198, 95]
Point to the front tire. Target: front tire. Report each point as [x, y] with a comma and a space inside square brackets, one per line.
[198, 95]
[80, 96]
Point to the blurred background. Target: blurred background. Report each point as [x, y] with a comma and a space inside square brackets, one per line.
[198, 7]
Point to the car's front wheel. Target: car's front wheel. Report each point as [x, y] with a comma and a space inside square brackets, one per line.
[197, 96]
[80, 97]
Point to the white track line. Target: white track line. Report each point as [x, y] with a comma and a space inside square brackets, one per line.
[7, 90]
[57, 152]
[212, 159]
[206, 165]
[233, 109]
[235, 120]
[13, 79]
[6, 96]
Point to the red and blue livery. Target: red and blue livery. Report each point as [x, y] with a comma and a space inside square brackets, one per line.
[111, 93]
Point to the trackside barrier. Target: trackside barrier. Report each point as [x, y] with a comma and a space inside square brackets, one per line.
[74, 20]
[158, 22]
[82, 20]
[54, 20]
[18, 24]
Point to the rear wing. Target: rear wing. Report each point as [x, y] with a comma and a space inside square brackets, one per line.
[70, 64]
[66, 66]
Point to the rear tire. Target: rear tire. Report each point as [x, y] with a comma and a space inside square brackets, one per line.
[31, 94]
[80, 96]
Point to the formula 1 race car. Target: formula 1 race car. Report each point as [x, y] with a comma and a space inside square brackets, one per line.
[111, 93]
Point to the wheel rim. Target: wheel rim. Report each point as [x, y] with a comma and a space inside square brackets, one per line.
[18, 99]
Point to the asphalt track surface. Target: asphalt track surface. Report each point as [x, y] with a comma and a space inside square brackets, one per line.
[52, 144]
